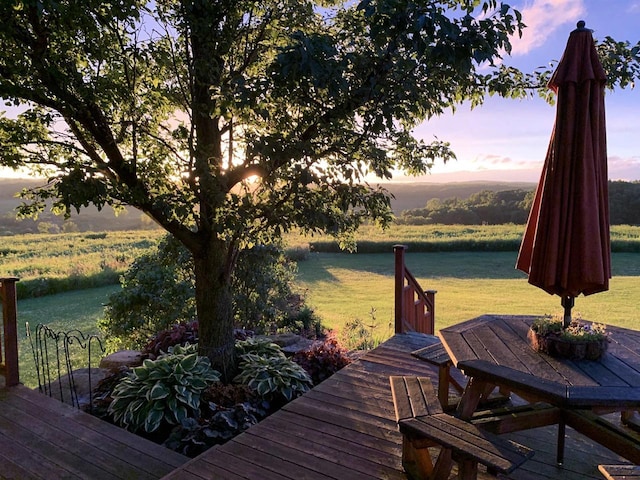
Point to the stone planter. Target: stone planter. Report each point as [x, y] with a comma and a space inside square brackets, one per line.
[557, 346]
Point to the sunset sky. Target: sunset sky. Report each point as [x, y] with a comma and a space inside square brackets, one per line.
[507, 139]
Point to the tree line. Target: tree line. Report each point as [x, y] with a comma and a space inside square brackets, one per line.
[488, 207]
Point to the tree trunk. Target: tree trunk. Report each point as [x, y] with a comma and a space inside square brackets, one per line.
[215, 310]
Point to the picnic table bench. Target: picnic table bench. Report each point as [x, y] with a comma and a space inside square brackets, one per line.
[424, 424]
[620, 472]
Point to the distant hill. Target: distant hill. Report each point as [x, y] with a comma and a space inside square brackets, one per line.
[410, 195]
[406, 195]
[89, 219]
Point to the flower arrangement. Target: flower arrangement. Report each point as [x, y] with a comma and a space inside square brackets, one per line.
[578, 341]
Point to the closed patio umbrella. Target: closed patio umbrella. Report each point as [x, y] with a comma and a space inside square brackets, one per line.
[565, 249]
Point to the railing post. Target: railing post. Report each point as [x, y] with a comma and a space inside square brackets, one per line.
[9, 299]
[399, 286]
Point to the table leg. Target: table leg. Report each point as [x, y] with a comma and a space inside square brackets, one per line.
[628, 418]
[561, 437]
[470, 398]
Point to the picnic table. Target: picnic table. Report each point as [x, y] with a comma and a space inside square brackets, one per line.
[494, 353]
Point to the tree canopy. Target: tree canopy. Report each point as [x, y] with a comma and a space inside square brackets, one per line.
[229, 122]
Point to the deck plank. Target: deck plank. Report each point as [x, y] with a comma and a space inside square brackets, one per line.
[41, 437]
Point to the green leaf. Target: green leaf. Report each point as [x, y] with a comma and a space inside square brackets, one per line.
[159, 391]
[153, 420]
[189, 362]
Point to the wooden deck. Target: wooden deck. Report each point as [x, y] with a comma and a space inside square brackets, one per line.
[345, 429]
[42, 438]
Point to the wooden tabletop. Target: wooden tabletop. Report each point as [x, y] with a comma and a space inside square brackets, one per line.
[497, 345]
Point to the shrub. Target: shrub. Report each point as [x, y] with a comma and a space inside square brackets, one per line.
[158, 291]
[274, 378]
[178, 334]
[357, 335]
[323, 359]
[301, 320]
[262, 286]
[163, 391]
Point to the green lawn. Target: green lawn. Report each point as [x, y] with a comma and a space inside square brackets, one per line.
[342, 287]
[79, 310]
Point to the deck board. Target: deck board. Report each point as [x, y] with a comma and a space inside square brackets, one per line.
[41, 437]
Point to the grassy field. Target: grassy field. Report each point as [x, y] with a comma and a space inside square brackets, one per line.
[62, 312]
[340, 287]
[343, 287]
[48, 263]
[433, 238]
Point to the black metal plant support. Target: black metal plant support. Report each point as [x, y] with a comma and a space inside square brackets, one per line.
[49, 343]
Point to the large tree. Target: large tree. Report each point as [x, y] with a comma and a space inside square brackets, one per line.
[231, 121]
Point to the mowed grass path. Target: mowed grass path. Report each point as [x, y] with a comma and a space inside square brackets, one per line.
[342, 287]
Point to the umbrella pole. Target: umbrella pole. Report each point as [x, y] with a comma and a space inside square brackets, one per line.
[567, 303]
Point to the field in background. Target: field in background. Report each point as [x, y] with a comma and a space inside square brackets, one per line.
[51, 263]
[341, 287]
[54, 263]
[434, 238]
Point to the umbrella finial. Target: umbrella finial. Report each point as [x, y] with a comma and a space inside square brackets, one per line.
[582, 27]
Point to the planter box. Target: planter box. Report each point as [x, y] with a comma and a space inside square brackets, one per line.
[557, 346]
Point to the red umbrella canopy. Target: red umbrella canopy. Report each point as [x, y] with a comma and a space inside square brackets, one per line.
[566, 248]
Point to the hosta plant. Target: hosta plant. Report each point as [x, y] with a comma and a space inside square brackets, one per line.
[273, 377]
[261, 347]
[192, 436]
[164, 391]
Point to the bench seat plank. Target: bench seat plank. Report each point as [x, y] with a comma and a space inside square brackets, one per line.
[467, 441]
[413, 397]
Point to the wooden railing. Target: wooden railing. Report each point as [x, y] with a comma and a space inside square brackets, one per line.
[414, 307]
[9, 345]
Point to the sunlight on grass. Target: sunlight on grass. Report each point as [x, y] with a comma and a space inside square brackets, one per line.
[341, 287]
